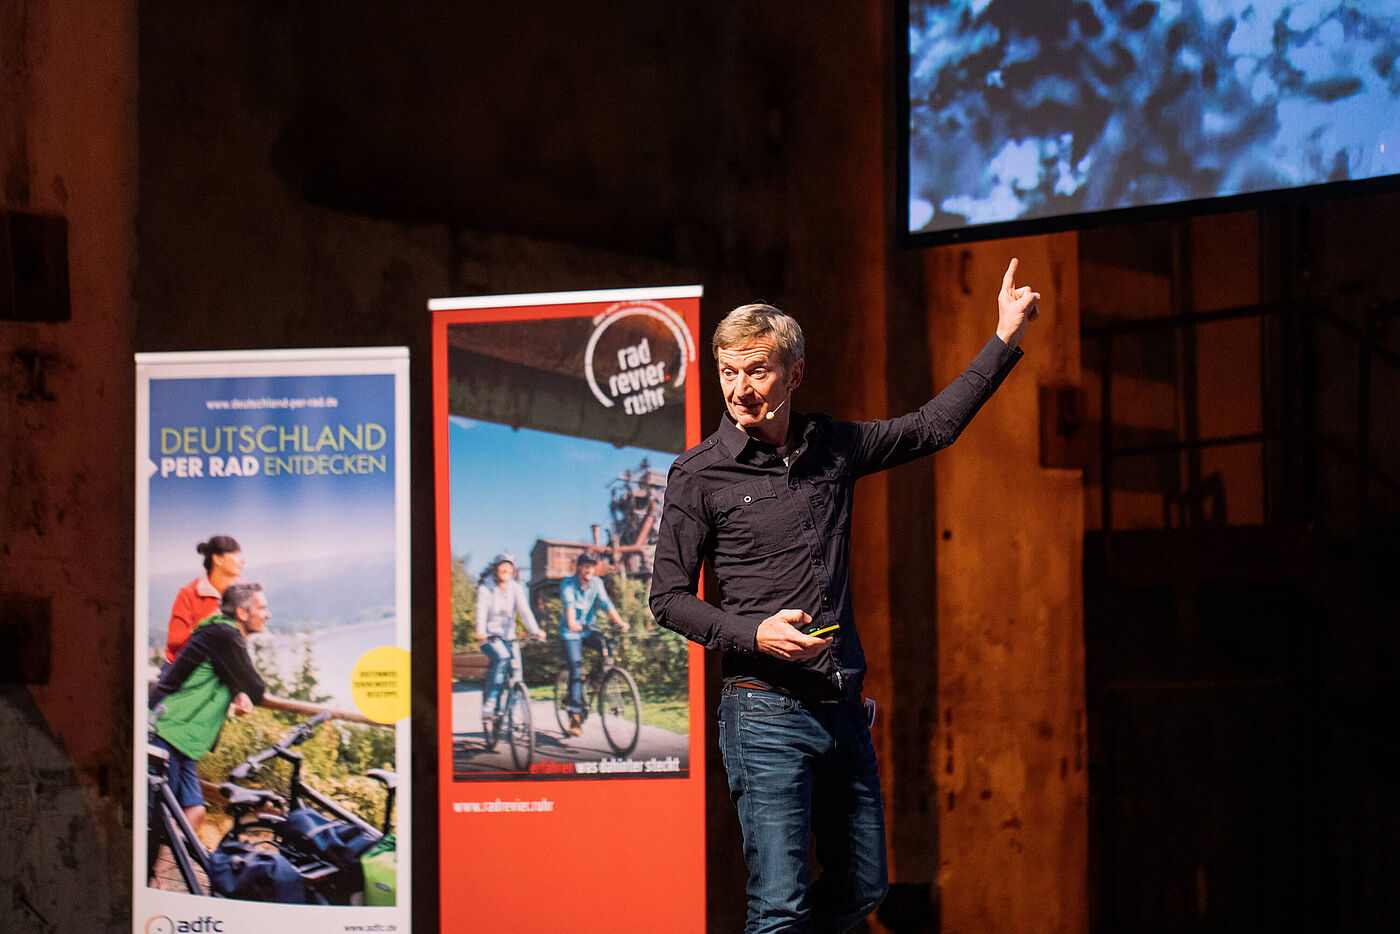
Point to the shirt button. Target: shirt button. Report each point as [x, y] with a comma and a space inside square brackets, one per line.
[806, 523]
[748, 499]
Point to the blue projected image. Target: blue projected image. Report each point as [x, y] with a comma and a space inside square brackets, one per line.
[1030, 109]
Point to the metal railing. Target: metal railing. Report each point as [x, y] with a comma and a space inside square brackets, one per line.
[1309, 436]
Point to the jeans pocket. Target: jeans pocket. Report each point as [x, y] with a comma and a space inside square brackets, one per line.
[764, 704]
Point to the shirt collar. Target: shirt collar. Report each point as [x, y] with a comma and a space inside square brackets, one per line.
[736, 441]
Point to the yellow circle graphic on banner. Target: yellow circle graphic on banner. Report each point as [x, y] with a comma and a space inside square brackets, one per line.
[379, 684]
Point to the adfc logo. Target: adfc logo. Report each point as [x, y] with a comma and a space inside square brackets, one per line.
[160, 924]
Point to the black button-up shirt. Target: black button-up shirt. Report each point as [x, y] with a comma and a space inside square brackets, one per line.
[778, 531]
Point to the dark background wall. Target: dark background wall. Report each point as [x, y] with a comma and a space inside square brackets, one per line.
[251, 174]
[311, 173]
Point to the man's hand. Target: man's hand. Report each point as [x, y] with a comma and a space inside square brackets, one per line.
[621, 623]
[778, 635]
[242, 704]
[1015, 307]
[539, 636]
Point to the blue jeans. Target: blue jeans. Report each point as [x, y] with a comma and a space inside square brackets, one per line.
[181, 776]
[797, 771]
[505, 657]
[573, 653]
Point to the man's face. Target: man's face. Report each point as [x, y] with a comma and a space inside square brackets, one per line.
[585, 572]
[255, 615]
[754, 383]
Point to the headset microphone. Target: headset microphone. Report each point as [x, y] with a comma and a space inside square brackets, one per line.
[774, 412]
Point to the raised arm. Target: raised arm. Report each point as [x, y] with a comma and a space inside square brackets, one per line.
[879, 445]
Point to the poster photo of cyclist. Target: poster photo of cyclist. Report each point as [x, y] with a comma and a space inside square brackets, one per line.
[559, 433]
[563, 707]
[605, 691]
[271, 696]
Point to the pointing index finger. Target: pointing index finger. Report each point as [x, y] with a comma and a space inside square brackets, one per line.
[1008, 282]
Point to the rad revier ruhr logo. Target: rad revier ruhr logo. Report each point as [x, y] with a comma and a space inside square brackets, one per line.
[637, 354]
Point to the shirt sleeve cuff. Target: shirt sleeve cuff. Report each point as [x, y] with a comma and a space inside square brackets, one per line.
[748, 641]
[996, 358]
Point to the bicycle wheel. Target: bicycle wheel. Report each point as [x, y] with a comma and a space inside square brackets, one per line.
[561, 698]
[620, 705]
[520, 726]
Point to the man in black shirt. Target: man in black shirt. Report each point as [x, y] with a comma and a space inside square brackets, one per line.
[767, 500]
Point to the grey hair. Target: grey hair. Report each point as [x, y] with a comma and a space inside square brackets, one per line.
[238, 596]
[750, 322]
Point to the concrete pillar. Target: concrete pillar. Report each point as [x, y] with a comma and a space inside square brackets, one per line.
[1009, 754]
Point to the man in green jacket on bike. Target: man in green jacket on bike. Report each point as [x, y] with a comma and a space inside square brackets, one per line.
[211, 672]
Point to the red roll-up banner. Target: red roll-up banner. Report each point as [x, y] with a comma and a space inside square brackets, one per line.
[570, 729]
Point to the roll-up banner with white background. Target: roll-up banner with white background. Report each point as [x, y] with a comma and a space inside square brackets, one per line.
[268, 793]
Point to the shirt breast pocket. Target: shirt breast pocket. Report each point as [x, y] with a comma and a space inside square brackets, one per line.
[751, 520]
[832, 500]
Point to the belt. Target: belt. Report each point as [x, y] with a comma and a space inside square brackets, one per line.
[749, 685]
